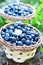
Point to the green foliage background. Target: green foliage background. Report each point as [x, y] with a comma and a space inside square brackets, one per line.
[37, 21]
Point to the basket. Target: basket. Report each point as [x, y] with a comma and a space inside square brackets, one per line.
[19, 53]
[13, 18]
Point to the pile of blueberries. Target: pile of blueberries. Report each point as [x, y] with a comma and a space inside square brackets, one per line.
[28, 36]
[18, 10]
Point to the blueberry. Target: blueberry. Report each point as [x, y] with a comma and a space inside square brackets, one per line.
[16, 12]
[19, 13]
[20, 24]
[3, 36]
[28, 37]
[10, 13]
[22, 14]
[32, 42]
[3, 29]
[23, 30]
[7, 31]
[27, 28]
[16, 7]
[32, 35]
[13, 39]
[15, 25]
[24, 45]
[9, 6]
[10, 38]
[22, 35]
[11, 27]
[30, 11]
[6, 38]
[11, 9]
[36, 34]
[27, 42]
[23, 40]
[14, 4]
[36, 39]
[28, 32]
[17, 38]
[19, 43]
[7, 34]
[14, 35]
[10, 32]
[19, 8]
[25, 13]
[26, 10]
[2, 33]
[18, 27]
[6, 10]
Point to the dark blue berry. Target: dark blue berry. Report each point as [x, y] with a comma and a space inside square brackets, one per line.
[26, 10]
[10, 32]
[2, 33]
[17, 38]
[11, 9]
[11, 27]
[10, 38]
[6, 10]
[13, 39]
[6, 38]
[27, 28]
[20, 24]
[19, 13]
[23, 30]
[18, 27]
[15, 25]
[3, 36]
[16, 12]
[7, 34]
[36, 34]
[19, 43]
[28, 32]
[10, 13]
[27, 42]
[30, 11]
[36, 39]
[14, 35]
[23, 40]
[25, 13]
[3, 29]
[32, 35]
[32, 42]
[28, 37]
[22, 35]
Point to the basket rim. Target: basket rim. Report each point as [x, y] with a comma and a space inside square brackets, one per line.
[8, 17]
[21, 47]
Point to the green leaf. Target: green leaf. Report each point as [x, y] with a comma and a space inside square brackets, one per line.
[41, 49]
[1, 22]
[41, 6]
[41, 1]
[38, 10]
[26, 21]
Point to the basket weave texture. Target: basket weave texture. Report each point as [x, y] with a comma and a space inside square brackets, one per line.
[13, 18]
[20, 53]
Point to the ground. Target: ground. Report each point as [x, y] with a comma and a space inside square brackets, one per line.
[37, 60]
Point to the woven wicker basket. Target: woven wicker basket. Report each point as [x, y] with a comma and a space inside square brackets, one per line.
[20, 53]
[6, 16]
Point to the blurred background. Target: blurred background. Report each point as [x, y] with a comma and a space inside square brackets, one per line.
[37, 21]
